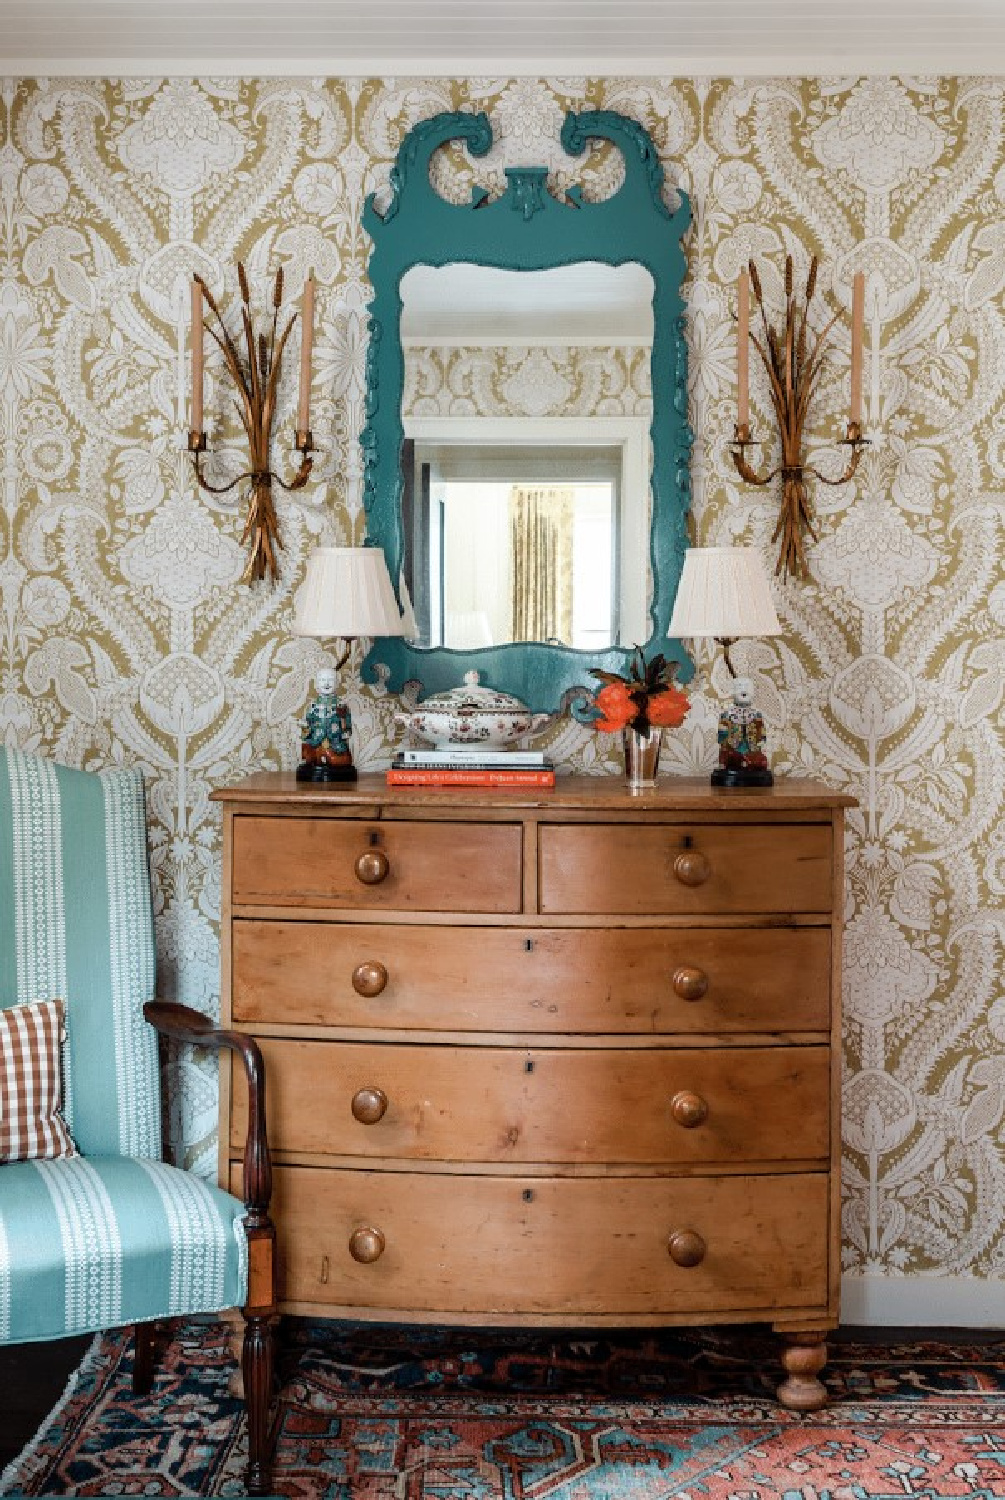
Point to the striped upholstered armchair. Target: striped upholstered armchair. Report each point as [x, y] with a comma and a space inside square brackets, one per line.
[110, 1235]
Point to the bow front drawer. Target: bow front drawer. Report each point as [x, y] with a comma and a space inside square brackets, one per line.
[558, 1248]
[585, 980]
[683, 1106]
[657, 869]
[398, 866]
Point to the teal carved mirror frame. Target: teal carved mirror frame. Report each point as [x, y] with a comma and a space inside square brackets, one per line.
[527, 229]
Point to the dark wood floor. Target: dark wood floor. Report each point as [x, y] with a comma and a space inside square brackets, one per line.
[32, 1379]
[34, 1376]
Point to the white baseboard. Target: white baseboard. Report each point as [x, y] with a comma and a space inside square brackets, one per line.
[923, 1301]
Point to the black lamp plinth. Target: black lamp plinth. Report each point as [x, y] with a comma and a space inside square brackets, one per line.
[308, 772]
[751, 776]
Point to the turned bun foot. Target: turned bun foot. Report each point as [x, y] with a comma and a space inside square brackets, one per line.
[803, 1357]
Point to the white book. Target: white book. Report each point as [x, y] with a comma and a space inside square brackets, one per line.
[474, 755]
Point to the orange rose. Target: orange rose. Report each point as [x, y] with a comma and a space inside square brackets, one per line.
[668, 710]
[618, 707]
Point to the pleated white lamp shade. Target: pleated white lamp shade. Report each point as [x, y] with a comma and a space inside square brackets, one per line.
[723, 593]
[347, 593]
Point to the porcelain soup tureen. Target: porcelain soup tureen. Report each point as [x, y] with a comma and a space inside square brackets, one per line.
[471, 715]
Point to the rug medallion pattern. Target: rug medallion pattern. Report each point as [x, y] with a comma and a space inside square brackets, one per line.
[393, 1414]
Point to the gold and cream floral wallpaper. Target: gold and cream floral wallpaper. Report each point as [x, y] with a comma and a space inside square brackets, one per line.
[125, 635]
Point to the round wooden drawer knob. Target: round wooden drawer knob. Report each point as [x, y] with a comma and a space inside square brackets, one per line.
[366, 1245]
[686, 1247]
[688, 1109]
[691, 867]
[689, 983]
[369, 1105]
[369, 979]
[372, 867]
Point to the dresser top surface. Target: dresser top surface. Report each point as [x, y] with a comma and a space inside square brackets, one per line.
[678, 794]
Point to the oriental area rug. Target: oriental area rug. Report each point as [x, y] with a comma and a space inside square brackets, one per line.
[378, 1413]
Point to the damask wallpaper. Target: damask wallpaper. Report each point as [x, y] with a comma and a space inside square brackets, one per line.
[533, 380]
[125, 635]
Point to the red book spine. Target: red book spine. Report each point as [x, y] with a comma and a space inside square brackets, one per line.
[407, 776]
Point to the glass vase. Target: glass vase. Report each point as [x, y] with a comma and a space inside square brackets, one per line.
[642, 755]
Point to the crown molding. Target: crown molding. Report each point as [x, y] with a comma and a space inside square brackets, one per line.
[970, 60]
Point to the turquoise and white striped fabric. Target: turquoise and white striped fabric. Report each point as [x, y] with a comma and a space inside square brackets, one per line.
[113, 1236]
[76, 925]
[90, 1243]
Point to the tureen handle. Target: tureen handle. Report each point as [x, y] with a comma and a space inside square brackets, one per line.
[539, 722]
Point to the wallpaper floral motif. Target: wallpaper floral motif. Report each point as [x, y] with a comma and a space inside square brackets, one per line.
[527, 380]
[126, 637]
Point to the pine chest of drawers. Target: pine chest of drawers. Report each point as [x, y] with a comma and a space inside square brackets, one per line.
[566, 1057]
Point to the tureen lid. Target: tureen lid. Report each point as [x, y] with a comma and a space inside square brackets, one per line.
[472, 698]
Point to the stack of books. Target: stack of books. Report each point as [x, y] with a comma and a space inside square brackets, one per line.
[470, 765]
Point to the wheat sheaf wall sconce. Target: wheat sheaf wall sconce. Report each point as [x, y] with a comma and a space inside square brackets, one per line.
[793, 356]
[255, 375]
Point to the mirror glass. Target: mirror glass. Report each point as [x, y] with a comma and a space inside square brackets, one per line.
[525, 411]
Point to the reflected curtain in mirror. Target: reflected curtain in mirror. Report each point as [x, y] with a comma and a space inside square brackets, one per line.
[542, 543]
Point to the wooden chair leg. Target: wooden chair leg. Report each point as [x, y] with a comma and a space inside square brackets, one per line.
[143, 1358]
[256, 1364]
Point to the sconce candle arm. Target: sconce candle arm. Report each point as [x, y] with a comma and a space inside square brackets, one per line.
[742, 441]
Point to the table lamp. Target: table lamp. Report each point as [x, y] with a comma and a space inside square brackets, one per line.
[724, 594]
[346, 593]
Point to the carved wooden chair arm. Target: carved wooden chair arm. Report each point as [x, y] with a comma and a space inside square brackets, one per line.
[184, 1024]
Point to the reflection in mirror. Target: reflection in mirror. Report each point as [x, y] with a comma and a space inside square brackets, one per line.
[514, 543]
[526, 404]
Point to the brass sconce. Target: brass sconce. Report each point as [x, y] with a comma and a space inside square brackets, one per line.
[793, 356]
[256, 379]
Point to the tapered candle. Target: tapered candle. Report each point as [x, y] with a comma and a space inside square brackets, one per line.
[743, 350]
[306, 342]
[857, 318]
[197, 337]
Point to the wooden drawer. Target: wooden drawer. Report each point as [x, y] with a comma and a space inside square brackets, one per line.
[748, 867]
[470, 867]
[510, 979]
[571, 1247]
[505, 1104]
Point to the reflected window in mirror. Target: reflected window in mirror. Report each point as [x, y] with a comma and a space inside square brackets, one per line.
[513, 543]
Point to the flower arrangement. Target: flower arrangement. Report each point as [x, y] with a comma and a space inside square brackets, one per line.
[646, 699]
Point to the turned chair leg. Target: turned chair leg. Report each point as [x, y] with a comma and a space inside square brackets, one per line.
[143, 1358]
[803, 1357]
[256, 1365]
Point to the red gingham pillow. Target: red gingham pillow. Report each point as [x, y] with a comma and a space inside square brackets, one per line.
[31, 1125]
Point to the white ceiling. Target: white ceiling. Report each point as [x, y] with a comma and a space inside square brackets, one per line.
[586, 303]
[501, 37]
